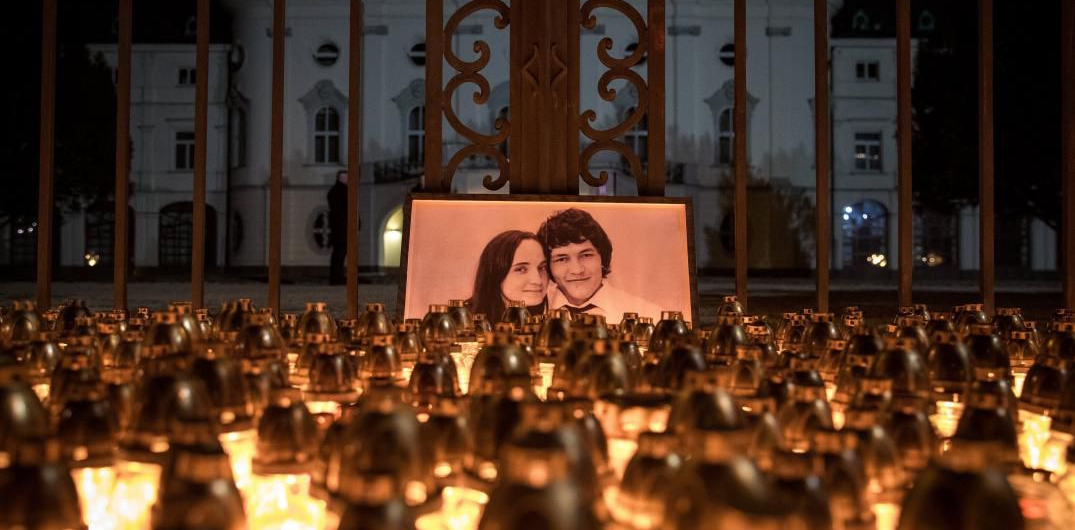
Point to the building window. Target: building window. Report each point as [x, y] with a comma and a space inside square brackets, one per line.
[99, 242]
[175, 236]
[327, 136]
[865, 228]
[188, 76]
[725, 137]
[320, 231]
[722, 105]
[727, 54]
[184, 151]
[416, 135]
[637, 138]
[417, 55]
[926, 22]
[936, 240]
[324, 105]
[868, 151]
[868, 71]
[23, 237]
[860, 21]
[327, 54]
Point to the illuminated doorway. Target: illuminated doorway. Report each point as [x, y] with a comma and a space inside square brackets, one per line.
[392, 238]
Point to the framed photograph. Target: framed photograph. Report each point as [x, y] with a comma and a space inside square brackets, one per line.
[590, 254]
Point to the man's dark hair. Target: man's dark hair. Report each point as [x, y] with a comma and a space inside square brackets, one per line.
[575, 226]
[340, 172]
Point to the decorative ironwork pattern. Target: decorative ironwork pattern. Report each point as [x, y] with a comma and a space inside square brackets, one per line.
[542, 135]
[606, 139]
[469, 72]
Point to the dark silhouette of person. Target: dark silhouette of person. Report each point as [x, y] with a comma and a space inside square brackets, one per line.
[337, 222]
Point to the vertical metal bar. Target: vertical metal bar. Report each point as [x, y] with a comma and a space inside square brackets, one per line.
[821, 151]
[123, 156]
[985, 154]
[276, 160]
[903, 133]
[1067, 89]
[434, 72]
[48, 144]
[354, 153]
[740, 169]
[201, 130]
[655, 169]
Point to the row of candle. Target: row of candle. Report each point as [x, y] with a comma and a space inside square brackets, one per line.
[181, 418]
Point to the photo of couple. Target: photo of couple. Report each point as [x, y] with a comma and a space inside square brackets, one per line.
[571, 250]
[602, 258]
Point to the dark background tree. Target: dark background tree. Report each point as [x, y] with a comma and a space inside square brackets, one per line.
[1027, 103]
[85, 111]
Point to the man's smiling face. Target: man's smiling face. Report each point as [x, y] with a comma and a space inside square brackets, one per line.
[576, 269]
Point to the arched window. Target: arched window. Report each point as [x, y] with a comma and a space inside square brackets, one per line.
[392, 238]
[637, 137]
[865, 232]
[725, 137]
[175, 236]
[320, 231]
[860, 20]
[327, 136]
[416, 135]
[926, 22]
[99, 241]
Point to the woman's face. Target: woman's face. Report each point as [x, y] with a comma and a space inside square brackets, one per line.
[528, 277]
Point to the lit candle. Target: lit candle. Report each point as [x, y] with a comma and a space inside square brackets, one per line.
[240, 447]
[135, 492]
[95, 486]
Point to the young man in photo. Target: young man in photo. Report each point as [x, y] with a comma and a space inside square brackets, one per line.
[579, 256]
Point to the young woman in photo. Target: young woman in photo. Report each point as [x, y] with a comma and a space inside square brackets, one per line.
[512, 267]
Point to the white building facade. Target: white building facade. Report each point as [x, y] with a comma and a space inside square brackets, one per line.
[699, 69]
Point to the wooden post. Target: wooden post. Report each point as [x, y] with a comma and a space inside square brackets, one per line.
[821, 151]
[47, 148]
[201, 131]
[354, 153]
[123, 156]
[655, 157]
[740, 169]
[276, 161]
[903, 131]
[1067, 90]
[433, 112]
[985, 154]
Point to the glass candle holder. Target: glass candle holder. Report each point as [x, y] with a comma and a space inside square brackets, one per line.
[240, 447]
[95, 485]
[283, 502]
[946, 418]
[135, 492]
[461, 509]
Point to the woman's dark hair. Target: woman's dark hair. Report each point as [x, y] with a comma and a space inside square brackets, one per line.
[493, 266]
[575, 226]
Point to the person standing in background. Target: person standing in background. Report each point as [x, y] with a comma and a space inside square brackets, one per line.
[337, 221]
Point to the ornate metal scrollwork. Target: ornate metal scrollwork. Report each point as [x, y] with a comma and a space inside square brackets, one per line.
[469, 72]
[606, 139]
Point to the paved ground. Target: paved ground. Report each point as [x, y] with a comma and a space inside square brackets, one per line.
[767, 296]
